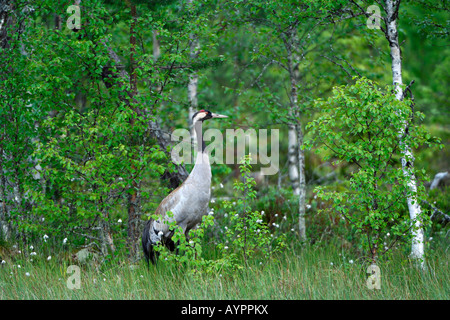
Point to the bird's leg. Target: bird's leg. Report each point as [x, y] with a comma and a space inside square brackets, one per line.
[177, 246]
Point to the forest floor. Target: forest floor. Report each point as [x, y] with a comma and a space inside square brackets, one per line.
[310, 273]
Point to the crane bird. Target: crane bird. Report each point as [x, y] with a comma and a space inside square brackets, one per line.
[188, 203]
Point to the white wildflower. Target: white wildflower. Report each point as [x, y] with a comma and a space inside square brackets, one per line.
[119, 221]
[27, 274]
[33, 253]
[64, 240]
[49, 258]
[350, 261]
[31, 247]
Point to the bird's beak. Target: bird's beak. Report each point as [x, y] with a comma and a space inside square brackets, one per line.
[216, 115]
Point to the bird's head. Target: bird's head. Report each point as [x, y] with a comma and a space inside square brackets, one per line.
[203, 115]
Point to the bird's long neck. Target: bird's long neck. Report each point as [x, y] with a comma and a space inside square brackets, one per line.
[202, 166]
[198, 132]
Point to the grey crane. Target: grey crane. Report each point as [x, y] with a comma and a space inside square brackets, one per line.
[188, 203]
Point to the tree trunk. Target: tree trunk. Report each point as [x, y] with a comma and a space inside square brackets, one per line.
[295, 153]
[293, 159]
[302, 188]
[193, 85]
[417, 247]
[107, 242]
[134, 211]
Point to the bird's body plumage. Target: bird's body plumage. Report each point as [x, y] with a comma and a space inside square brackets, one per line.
[188, 203]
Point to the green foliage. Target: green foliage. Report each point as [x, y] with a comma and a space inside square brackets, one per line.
[362, 125]
[248, 235]
[189, 250]
[84, 144]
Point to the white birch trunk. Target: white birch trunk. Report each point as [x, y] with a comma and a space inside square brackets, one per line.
[417, 246]
[302, 186]
[193, 86]
[295, 153]
[293, 159]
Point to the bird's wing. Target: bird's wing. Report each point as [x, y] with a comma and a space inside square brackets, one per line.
[169, 203]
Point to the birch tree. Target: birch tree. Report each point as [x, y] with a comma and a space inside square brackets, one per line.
[390, 29]
[359, 125]
[417, 247]
[194, 48]
[290, 32]
[16, 164]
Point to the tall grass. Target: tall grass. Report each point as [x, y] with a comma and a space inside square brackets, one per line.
[311, 272]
